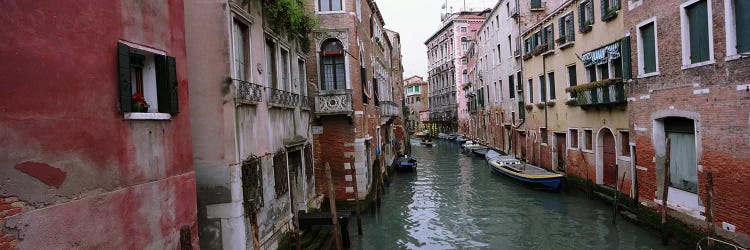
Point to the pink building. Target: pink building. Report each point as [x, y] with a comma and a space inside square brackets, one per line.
[94, 128]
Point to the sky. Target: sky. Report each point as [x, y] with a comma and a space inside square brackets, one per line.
[416, 21]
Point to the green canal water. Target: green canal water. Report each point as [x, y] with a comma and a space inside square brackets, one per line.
[454, 201]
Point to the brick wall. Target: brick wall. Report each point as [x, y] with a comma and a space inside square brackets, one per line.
[9, 206]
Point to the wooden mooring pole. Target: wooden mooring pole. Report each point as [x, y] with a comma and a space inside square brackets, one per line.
[356, 195]
[665, 198]
[709, 209]
[332, 202]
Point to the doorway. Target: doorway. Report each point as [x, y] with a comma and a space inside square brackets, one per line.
[560, 151]
[297, 181]
[609, 158]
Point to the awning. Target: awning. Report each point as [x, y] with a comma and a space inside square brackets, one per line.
[601, 55]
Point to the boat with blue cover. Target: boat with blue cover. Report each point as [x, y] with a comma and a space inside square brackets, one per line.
[514, 168]
[406, 163]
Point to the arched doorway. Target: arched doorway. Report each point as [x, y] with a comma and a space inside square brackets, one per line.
[609, 157]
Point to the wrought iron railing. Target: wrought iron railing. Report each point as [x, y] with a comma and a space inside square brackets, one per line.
[331, 102]
[388, 108]
[281, 98]
[305, 102]
[610, 94]
[247, 92]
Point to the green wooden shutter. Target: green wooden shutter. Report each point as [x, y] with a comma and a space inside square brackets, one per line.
[511, 89]
[562, 27]
[698, 18]
[581, 15]
[536, 4]
[605, 8]
[570, 24]
[123, 66]
[742, 18]
[572, 79]
[166, 84]
[590, 7]
[649, 48]
[551, 80]
[544, 37]
[625, 55]
[531, 91]
[542, 89]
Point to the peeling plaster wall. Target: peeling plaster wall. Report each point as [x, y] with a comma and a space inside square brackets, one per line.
[66, 151]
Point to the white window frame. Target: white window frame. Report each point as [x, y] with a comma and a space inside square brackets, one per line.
[685, 35]
[570, 141]
[583, 136]
[730, 28]
[639, 44]
[287, 86]
[317, 8]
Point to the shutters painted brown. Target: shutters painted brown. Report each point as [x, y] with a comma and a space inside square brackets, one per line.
[649, 48]
[697, 15]
[123, 75]
[625, 55]
[742, 17]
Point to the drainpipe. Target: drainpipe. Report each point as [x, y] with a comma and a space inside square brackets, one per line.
[523, 99]
[544, 73]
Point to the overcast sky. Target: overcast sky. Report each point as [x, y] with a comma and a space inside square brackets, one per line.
[417, 20]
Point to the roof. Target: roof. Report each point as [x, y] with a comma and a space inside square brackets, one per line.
[376, 10]
[458, 16]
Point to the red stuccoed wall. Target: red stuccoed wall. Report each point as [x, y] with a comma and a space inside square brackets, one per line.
[75, 173]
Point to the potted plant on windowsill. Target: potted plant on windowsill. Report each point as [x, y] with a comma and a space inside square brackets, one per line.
[586, 26]
[540, 105]
[611, 14]
[139, 103]
[529, 107]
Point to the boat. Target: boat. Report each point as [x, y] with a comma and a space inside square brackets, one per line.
[452, 137]
[443, 136]
[514, 168]
[406, 163]
[426, 142]
[481, 151]
[461, 139]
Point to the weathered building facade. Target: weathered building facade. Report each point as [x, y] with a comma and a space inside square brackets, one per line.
[416, 101]
[351, 74]
[688, 103]
[251, 114]
[96, 149]
[446, 55]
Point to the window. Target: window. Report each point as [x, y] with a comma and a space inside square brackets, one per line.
[240, 38]
[566, 29]
[573, 135]
[464, 77]
[602, 71]
[588, 139]
[585, 15]
[531, 91]
[463, 29]
[358, 7]
[591, 73]
[624, 143]
[285, 71]
[572, 79]
[549, 37]
[647, 48]
[683, 167]
[609, 9]
[499, 56]
[697, 34]
[280, 174]
[302, 77]
[271, 64]
[332, 61]
[148, 81]
[511, 89]
[737, 20]
[542, 89]
[536, 4]
[551, 82]
[543, 135]
[510, 46]
[499, 89]
[527, 45]
[464, 44]
[329, 5]
[464, 61]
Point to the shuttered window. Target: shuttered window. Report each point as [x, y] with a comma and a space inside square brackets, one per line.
[698, 29]
[742, 17]
[551, 81]
[511, 89]
[133, 80]
[531, 91]
[649, 48]
[542, 89]
[572, 79]
[625, 55]
[536, 4]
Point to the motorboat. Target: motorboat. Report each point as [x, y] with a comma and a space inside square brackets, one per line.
[406, 163]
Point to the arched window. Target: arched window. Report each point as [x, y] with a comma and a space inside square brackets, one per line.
[333, 75]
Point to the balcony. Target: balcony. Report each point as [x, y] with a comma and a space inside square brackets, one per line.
[282, 99]
[305, 102]
[517, 53]
[565, 41]
[388, 109]
[604, 92]
[248, 93]
[514, 12]
[333, 102]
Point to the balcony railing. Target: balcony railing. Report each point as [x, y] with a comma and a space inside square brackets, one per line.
[389, 108]
[248, 93]
[305, 102]
[333, 102]
[602, 95]
[281, 98]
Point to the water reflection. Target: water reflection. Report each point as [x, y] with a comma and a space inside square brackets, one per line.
[454, 201]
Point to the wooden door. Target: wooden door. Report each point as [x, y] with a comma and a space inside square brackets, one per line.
[560, 148]
[297, 182]
[609, 158]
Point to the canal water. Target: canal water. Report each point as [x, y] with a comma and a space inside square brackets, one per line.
[454, 201]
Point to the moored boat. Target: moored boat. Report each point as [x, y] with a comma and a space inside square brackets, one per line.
[514, 168]
[426, 142]
[406, 163]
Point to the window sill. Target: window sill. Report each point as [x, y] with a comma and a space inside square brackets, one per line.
[147, 116]
[573, 149]
[588, 151]
[548, 52]
[732, 57]
[565, 45]
[330, 12]
[623, 158]
[655, 73]
[700, 64]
